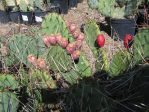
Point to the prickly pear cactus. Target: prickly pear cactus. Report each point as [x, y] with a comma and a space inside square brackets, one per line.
[20, 46]
[103, 60]
[80, 70]
[103, 7]
[120, 63]
[141, 46]
[93, 3]
[8, 100]
[42, 79]
[54, 24]
[115, 8]
[8, 81]
[57, 57]
[91, 31]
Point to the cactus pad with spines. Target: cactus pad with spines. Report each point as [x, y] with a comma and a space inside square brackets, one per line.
[8, 102]
[42, 80]
[54, 24]
[20, 46]
[141, 46]
[91, 31]
[58, 59]
[120, 63]
[103, 59]
[8, 81]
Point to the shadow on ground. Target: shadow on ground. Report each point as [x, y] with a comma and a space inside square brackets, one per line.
[126, 93]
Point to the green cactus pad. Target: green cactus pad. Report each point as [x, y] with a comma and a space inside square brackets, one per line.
[8, 102]
[42, 79]
[20, 46]
[103, 59]
[71, 77]
[93, 3]
[8, 81]
[120, 63]
[58, 59]
[115, 8]
[80, 70]
[53, 24]
[91, 30]
[141, 46]
[83, 66]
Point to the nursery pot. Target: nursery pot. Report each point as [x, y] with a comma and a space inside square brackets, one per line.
[39, 16]
[121, 27]
[72, 3]
[15, 16]
[61, 4]
[55, 8]
[4, 17]
[27, 17]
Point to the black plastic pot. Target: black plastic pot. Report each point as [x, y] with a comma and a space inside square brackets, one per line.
[55, 8]
[39, 16]
[28, 17]
[72, 3]
[4, 17]
[62, 4]
[15, 16]
[121, 27]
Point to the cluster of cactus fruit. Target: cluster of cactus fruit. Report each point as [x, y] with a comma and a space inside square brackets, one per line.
[56, 48]
[71, 48]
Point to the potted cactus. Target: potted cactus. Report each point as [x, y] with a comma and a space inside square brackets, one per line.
[121, 13]
[40, 10]
[4, 17]
[14, 11]
[26, 9]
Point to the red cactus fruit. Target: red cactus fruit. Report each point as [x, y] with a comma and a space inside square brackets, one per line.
[75, 34]
[52, 39]
[75, 55]
[128, 40]
[67, 23]
[71, 47]
[41, 63]
[58, 38]
[46, 41]
[100, 40]
[80, 36]
[63, 43]
[78, 44]
[32, 59]
[72, 28]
